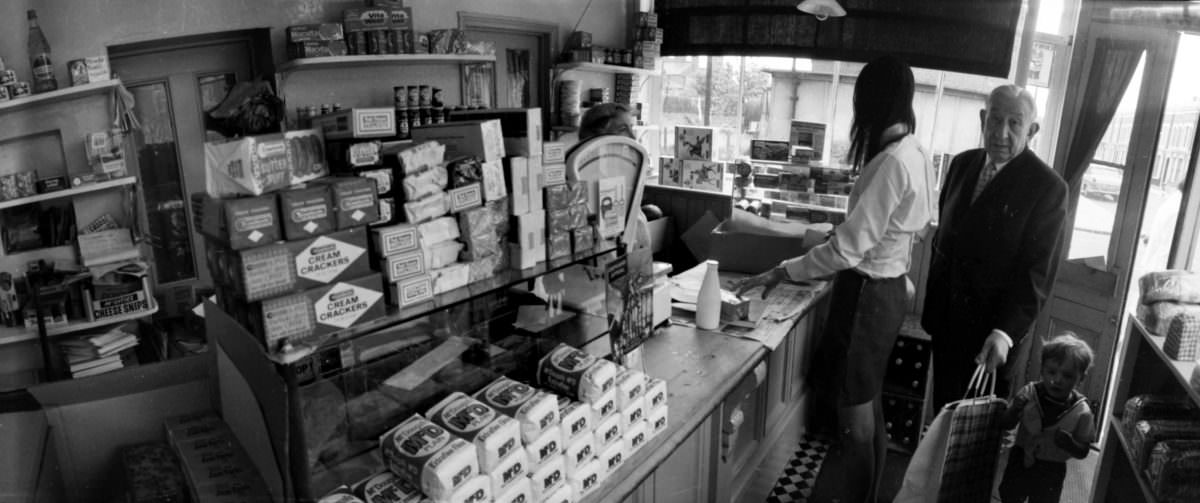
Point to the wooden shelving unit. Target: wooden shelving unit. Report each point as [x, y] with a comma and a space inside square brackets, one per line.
[71, 192]
[333, 62]
[1119, 433]
[68, 93]
[10, 335]
[602, 68]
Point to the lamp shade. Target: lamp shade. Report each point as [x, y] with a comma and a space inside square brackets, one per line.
[822, 9]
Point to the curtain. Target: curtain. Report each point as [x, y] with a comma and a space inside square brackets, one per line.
[1113, 65]
[968, 36]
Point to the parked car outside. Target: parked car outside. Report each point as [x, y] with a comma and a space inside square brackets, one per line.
[1102, 181]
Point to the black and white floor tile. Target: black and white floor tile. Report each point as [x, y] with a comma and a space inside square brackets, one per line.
[796, 482]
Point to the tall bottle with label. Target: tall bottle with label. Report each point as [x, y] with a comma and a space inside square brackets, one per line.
[39, 57]
[708, 301]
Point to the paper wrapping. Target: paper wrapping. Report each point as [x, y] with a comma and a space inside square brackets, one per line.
[548, 478]
[425, 183]
[424, 210]
[1170, 286]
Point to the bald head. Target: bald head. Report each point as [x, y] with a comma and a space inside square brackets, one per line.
[1009, 120]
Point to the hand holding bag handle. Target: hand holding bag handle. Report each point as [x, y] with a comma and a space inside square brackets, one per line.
[982, 380]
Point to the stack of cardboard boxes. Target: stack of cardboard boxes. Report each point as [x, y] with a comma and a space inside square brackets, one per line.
[287, 247]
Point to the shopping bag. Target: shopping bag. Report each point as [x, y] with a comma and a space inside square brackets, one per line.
[961, 430]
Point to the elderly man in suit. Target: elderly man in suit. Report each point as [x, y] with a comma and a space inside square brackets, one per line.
[996, 250]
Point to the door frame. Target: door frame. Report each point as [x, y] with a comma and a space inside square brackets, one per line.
[1131, 203]
[547, 43]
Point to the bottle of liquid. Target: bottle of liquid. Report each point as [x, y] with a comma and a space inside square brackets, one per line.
[708, 302]
[39, 57]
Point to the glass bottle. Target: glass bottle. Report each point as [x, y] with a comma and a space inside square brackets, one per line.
[39, 57]
[708, 301]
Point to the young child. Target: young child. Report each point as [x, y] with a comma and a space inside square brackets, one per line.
[1055, 424]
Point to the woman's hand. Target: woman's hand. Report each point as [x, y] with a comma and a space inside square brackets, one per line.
[768, 280]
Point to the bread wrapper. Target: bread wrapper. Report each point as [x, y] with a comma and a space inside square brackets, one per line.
[548, 445]
[631, 386]
[586, 478]
[576, 374]
[426, 183]
[520, 492]
[608, 432]
[548, 478]
[563, 494]
[635, 437]
[421, 156]
[606, 405]
[438, 230]
[423, 210]
[535, 411]
[386, 487]
[656, 394]
[494, 435]
[656, 422]
[632, 414]
[579, 452]
[509, 471]
[476, 490]
[576, 419]
[612, 457]
[427, 455]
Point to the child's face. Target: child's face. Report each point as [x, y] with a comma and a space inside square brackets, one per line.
[1060, 378]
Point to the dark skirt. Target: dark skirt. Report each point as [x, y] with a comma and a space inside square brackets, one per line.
[865, 316]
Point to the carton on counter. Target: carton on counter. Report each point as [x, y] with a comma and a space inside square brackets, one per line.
[357, 123]
[310, 314]
[315, 32]
[521, 127]
[239, 223]
[355, 201]
[411, 291]
[482, 139]
[306, 212]
[399, 267]
[285, 267]
[395, 239]
[516, 175]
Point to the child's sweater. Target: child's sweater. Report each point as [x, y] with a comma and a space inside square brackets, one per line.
[1041, 419]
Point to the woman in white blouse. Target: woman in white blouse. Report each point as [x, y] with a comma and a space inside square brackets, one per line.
[868, 255]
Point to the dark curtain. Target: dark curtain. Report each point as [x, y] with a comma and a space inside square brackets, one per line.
[1114, 63]
[969, 36]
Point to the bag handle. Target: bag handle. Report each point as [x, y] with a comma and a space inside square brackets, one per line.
[980, 380]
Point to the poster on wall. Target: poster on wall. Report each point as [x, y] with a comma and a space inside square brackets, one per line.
[479, 85]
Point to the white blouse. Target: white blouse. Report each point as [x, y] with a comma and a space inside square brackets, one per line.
[892, 202]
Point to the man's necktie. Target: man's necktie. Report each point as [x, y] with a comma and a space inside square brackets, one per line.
[985, 176]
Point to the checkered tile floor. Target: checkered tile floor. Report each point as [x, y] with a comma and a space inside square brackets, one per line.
[796, 482]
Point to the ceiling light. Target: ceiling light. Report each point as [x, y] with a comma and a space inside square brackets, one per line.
[822, 9]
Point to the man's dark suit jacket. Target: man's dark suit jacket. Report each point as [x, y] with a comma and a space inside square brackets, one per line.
[993, 261]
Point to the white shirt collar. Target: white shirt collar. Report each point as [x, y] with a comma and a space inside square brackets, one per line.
[999, 165]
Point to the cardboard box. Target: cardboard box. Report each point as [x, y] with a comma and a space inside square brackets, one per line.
[366, 19]
[238, 222]
[465, 197]
[411, 291]
[537, 176]
[670, 172]
[553, 174]
[355, 201]
[704, 175]
[493, 181]
[521, 127]
[311, 314]
[554, 152]
[317, 49]
[395, 239]
[528, 240]
[315, 32]
[809, 135]
[516, 175]
[403, 266]
[286, 267]
[357, 123]
[347, 155]
[97, 68]
[306, 212]
[482, 139]
[693, 143]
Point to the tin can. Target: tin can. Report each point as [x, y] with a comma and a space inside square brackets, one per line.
[436, 101]
[627, 57]
[313, 111]
[26, 184]
[356, 42]
[392, 42]
[337, 107]
[302, 118]
[439, 115]
[377, 42]
[426, 97]
[20, 90]
[425, 115]
[402, 125]
[8, 77]
[325, 108]
[3, 93]
[414, 97]
[414, 118]
[400, 97]
[77, 69]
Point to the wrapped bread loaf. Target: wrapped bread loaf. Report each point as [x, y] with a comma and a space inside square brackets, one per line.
[576, 374]
[586, 478]
[1171, 285]
[340, 495]
[494, 435]
[537, 412]
[1157, 316]
[1183, 337]
[428, 456]
[386, 487]
[1147, 434]
[1172, 470]
[520, 492]
[1146, 407]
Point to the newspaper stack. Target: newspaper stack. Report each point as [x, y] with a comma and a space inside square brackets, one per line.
[97, 353]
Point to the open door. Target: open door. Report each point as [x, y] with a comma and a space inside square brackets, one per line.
[1106, 153]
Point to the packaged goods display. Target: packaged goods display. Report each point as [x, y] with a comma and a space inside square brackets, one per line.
[254, 165]
[579, 451]
[284, 267]
[520, 492]
[313, 313]
[608, 432]
[587, 477]
[355, 201]
[450, 277]
[636, 436]
[430, 457]
[521, 127]
[548, 478]
[575, 374]
[396, 268]
[411, 291]
[482, 139]
[494, 435]
[357, 123]
[306, 212]
[238, 223]
[510, 472]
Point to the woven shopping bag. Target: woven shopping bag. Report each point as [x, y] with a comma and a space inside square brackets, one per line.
[956, 458]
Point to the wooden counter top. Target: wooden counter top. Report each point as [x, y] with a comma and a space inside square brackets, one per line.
[701, 368]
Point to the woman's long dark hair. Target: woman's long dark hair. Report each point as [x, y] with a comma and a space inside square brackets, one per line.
[883, 95]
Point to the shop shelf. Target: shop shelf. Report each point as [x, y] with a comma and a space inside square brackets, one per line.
[602, 68]
[1182, 370]
[334, 62]
[71, 192]
[396, 316]
[10, 335]
[1117, 431]
[68, 93]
